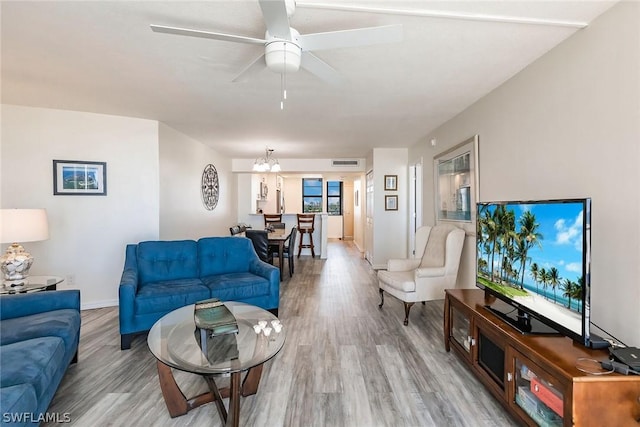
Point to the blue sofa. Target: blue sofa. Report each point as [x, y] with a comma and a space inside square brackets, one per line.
[161, 276]
[39, 336]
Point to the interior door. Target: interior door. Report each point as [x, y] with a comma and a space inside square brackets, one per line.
[347, 210]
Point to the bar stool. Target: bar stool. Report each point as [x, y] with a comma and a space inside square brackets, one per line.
[305, 226]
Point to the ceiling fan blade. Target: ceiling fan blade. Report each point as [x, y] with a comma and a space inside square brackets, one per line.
[352, 38]
[251, 70]
[276, 18]
[427, 13]
[206, 35]
[317, 66]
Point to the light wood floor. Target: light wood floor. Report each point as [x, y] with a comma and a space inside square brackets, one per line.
[344, 363]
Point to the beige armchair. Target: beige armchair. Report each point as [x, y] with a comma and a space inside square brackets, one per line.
[425, 277]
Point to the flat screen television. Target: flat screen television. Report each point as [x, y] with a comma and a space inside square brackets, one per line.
[534, 257]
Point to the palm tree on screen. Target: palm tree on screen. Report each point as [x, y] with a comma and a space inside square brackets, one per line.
[554, 279]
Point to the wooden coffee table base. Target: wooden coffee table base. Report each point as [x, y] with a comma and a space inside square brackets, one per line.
[178, 404]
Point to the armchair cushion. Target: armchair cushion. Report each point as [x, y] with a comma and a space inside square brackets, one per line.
[434, 252]
[402, 280]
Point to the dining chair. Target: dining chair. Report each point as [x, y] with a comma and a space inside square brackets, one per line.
[260, 240]
[289, 249]
[269, 219]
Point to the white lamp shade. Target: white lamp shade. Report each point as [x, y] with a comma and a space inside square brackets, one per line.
[23, 225]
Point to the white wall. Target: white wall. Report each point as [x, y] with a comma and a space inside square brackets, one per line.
[182, 213]
[358, 212]
[389, 227]
[568, 126]
[88, 234]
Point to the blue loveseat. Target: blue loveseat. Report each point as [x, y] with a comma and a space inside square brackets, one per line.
[161, 276]
[39, 336]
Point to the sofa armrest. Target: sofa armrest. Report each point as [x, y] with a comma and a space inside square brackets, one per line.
[272, 274]
[19, 305]
[403, 264]
[127, 290]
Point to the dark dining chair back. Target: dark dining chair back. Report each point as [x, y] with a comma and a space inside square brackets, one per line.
[260, 240]
[269, 219]
[289, 249]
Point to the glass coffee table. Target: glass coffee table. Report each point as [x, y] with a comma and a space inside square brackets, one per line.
[174, 341]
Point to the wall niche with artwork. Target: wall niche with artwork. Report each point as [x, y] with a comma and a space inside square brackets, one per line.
[456, 180]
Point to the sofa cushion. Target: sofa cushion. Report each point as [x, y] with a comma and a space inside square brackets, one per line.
[167, 260]
[220, 255]
[36, 362]
[16, 401]
[168, 295]
[236, 286]
[58, 323]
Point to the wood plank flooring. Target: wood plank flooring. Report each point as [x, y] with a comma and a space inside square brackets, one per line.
[344, 363]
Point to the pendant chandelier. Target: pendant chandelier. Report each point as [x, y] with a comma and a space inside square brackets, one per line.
[268, 163]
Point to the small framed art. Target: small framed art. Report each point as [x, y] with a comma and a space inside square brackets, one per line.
[390, 203]
[79, 178]
[391, 182]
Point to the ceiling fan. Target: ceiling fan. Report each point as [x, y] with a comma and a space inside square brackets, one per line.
[286, 50]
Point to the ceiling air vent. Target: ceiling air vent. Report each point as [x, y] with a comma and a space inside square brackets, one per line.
[338, 163]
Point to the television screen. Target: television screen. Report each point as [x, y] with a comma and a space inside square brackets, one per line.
[535, 256]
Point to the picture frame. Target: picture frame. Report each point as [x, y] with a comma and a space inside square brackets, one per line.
[456, 179]
[79, 178]
[391, 183]
[391, 203]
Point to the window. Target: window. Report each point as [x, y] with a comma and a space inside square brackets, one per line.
[334, 197]
[311, 195]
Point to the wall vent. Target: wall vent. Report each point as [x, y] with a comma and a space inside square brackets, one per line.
[347, 162]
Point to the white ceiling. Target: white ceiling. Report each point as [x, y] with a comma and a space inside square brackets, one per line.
[102, 57]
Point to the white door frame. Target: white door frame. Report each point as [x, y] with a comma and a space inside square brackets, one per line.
[415, 204]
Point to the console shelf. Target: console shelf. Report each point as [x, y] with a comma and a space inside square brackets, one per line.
[535, 377]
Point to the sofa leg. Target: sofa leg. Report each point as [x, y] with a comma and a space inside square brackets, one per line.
[381, 298]
[273, 311]
[75, 358]
[407, 308]
[125, 341]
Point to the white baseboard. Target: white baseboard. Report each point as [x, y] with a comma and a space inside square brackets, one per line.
[99, 304]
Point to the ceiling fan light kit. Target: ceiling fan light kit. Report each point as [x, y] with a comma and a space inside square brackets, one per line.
[283, 57]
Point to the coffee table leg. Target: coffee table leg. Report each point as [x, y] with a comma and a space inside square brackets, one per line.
[218, 399]
[173, 397]
[178, 404]
[234, 401]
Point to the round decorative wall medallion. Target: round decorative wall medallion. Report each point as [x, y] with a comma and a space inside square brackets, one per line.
[210, 187]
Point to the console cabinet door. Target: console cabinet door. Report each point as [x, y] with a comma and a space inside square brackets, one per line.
[536, 396]
[459, 330]
[489, 357]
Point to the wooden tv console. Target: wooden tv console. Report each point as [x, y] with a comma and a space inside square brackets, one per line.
[535, 377]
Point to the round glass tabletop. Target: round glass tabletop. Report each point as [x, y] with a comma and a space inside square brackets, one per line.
[175, 341]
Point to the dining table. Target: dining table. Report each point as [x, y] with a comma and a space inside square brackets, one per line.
[277, 236]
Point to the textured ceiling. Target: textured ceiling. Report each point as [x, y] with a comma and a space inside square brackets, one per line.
[102, 57]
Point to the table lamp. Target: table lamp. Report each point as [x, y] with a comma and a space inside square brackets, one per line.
[20, 225]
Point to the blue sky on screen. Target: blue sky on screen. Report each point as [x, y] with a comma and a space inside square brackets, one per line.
[561, 226]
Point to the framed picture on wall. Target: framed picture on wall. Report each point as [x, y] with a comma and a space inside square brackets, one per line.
[390, 203]
[391, 182]
[79, 178]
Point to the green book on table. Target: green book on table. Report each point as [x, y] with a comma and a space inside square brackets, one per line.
[215, 317]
